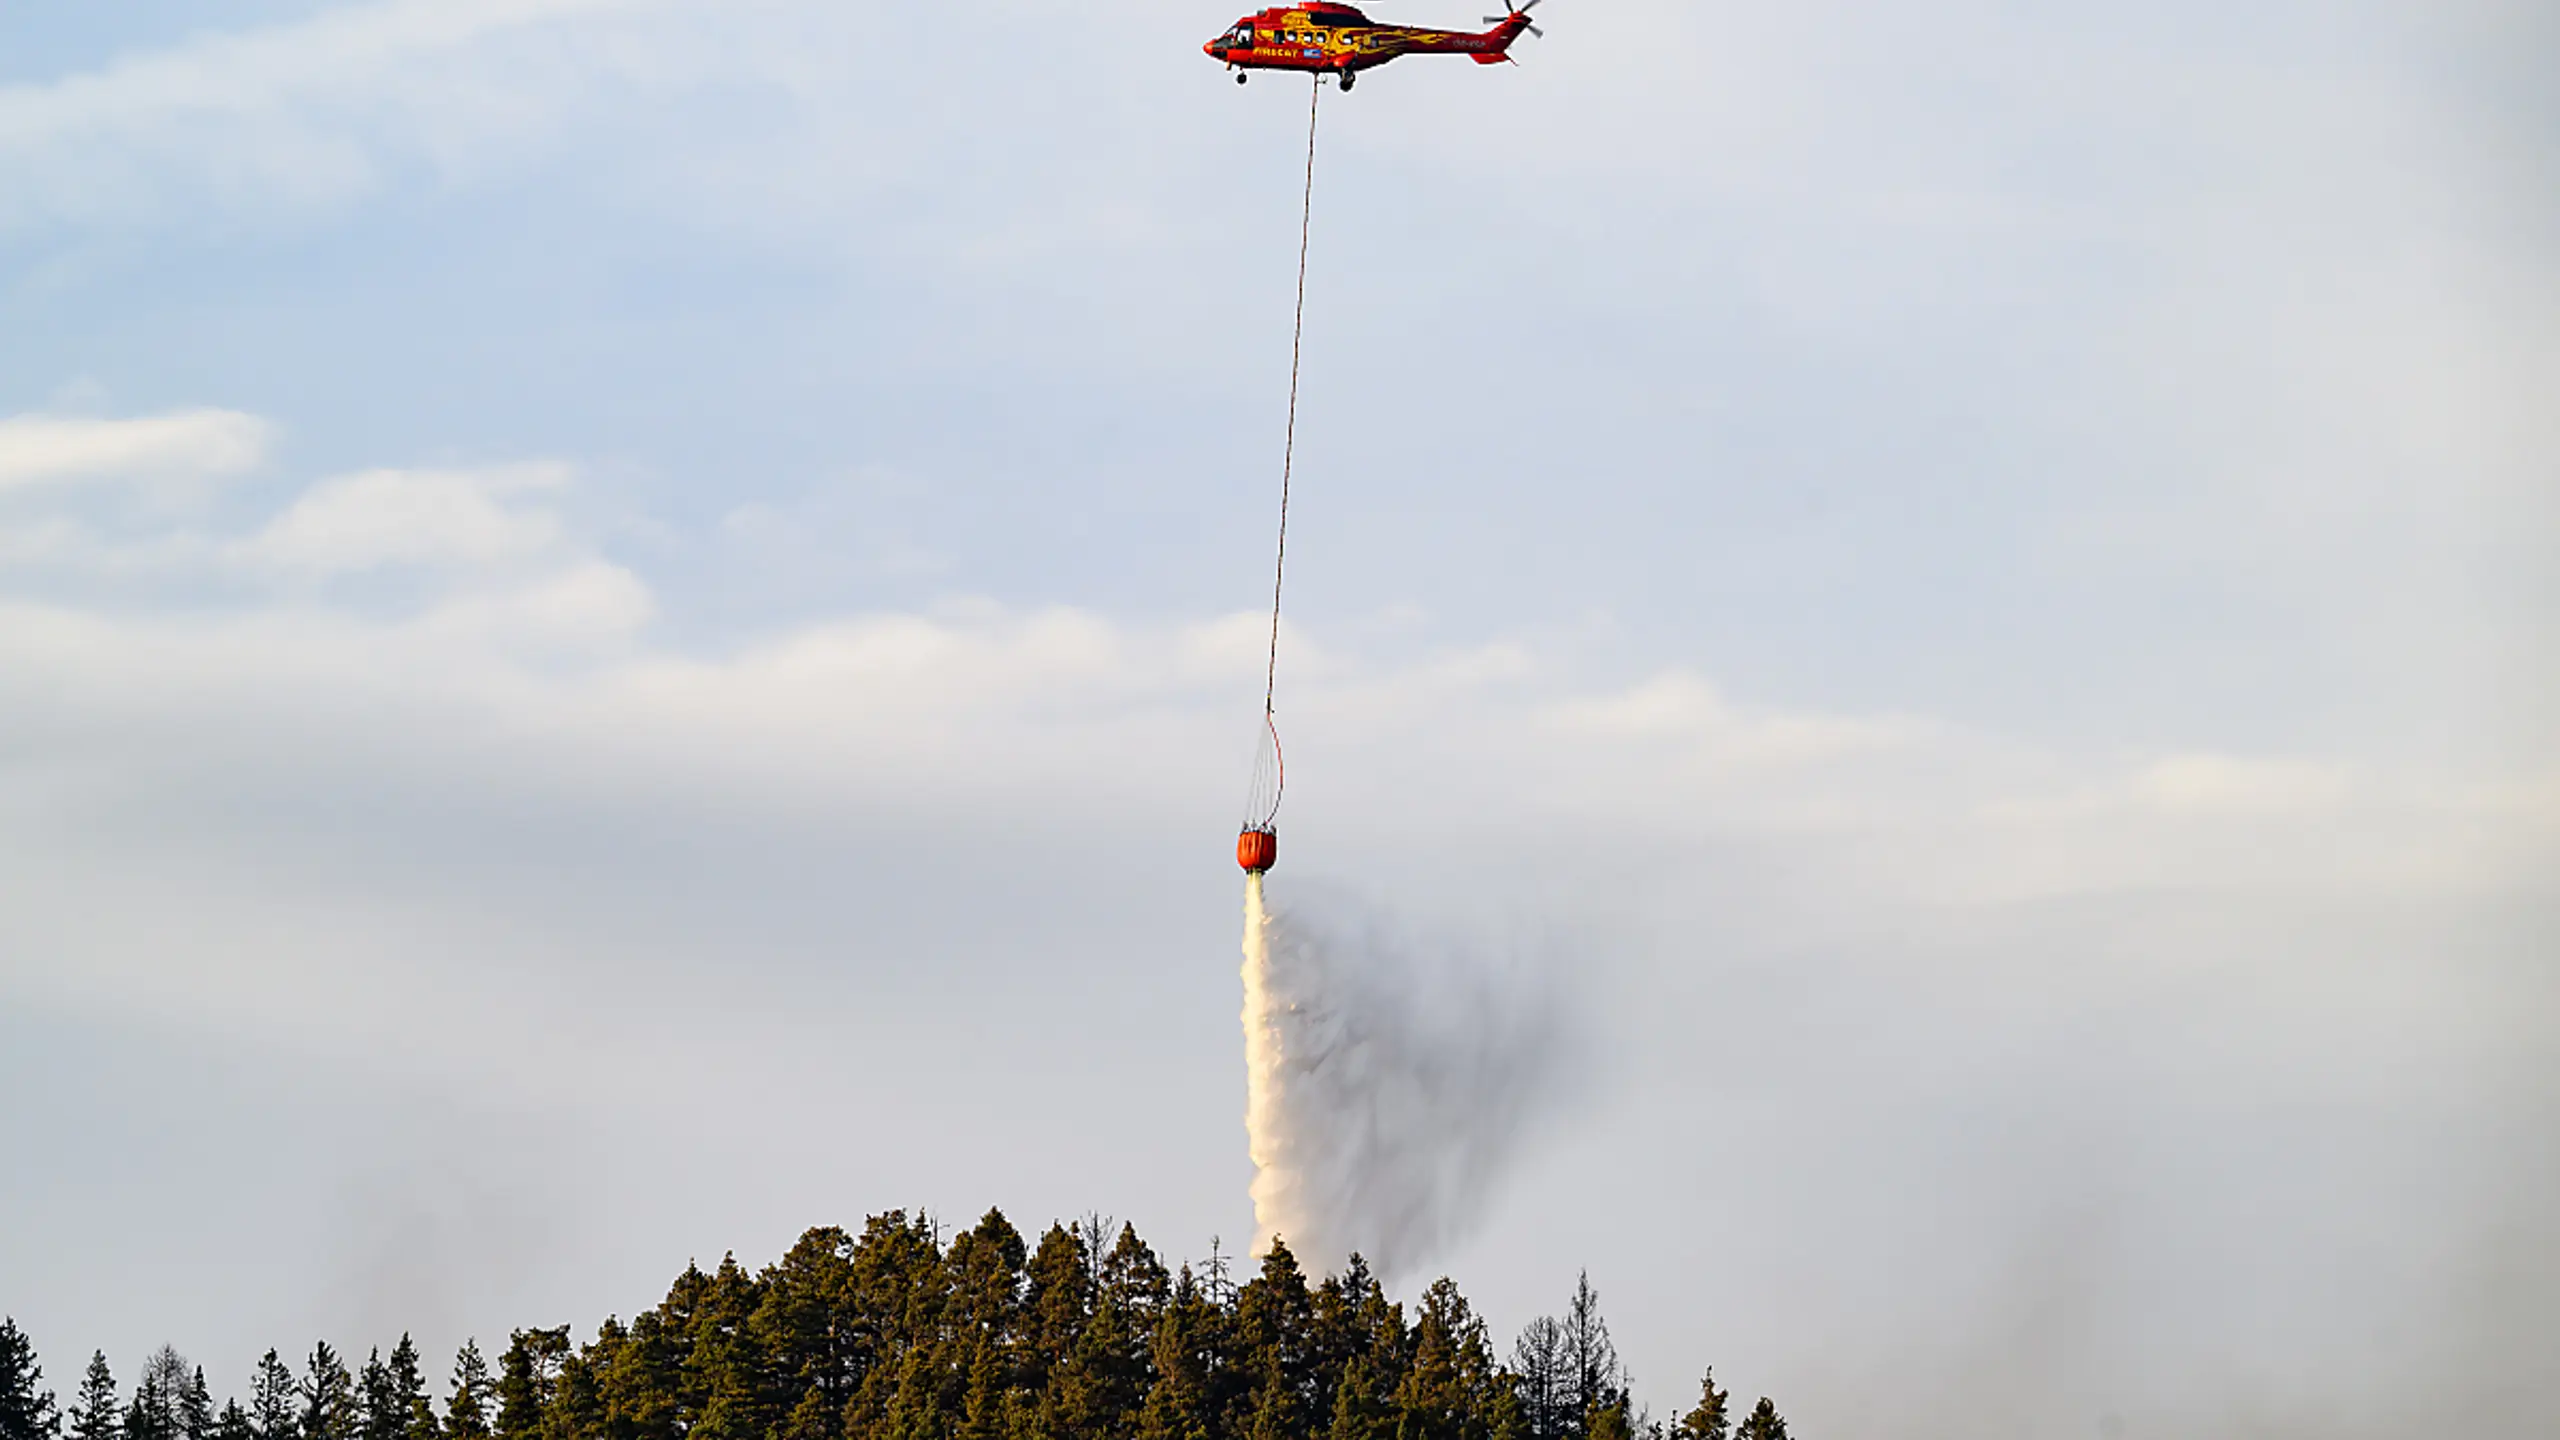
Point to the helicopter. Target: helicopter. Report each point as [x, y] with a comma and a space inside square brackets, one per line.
[1334, 39]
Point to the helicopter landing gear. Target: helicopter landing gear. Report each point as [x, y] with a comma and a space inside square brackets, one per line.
[1347, 77]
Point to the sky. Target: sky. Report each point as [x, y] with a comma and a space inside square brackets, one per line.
[630, 626]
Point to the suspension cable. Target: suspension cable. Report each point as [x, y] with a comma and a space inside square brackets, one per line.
[1289, 446]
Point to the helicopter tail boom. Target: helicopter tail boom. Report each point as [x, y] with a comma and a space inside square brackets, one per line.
[1497, 47]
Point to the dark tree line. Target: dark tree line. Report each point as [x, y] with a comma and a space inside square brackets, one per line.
[894, 1335]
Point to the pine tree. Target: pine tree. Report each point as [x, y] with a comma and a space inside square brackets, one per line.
[233, 1423]
[982, 1406]
[94, 1414]
[1453, 1391]
[328, 1396]
[1178, 1403]
[894, 1289]
[274, 1401]
[1105, 1381]
[1591, 1360]
[576, 1411]
[466, 1406]
[26, 1412]
[1708, 1420]
[528, 1375]
[143, 1414]
[1057, 1302]
[195, 1408]
[1763, 1423]
[1274, 1335]
[379, 1413]
[159, 1398]
[642, 1384]
[1538, 1359]
[409, 1384]
[804, 1324]
[728, 1368]
[1116, 1360]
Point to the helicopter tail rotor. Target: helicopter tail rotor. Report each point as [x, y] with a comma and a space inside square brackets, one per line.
[1520, 13]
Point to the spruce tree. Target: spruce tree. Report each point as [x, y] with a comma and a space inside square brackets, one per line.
[409, 1389]
[274, 1402]
[26, 1411]
[328, 1396]
[1453, 1390]
[378, 1414]
[159, 1398]
[1591, 1359]
[729, 1369]
[1056, 1304]
[577, 1409]
[94, 1415]
[1538, 1360]
[983, 1410]
[528, 1374]
[233, 1423]
[894, 1287]
[643, 1385]
[1178, 1402]
[195, 1408]
[1104, 1382]
[466, 1406]
[1707, 1421]
[1358, 1413]
[806, 1324]
[1762, 1424]
[145, 1412]
[1274, 1335]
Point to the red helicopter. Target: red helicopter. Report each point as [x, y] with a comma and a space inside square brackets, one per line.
[1333, 39]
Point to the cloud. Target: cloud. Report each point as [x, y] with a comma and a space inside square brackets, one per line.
[1683, 707]
[411, 517]
[287, 117]
[513, 621]
[183, 445]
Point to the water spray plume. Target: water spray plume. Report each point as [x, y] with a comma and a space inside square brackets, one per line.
[1387, 1085]
[1273, 1195]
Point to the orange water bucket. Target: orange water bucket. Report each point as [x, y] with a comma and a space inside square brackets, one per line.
[1258, 850]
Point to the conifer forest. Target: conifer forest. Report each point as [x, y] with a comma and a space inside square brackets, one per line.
[896, 1335]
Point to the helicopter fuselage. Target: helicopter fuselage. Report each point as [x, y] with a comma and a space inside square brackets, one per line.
[1340, 40]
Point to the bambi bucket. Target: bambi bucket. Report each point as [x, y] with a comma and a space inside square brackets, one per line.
[1258, 850]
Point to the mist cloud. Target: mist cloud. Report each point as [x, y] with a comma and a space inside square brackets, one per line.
[1396, 1079]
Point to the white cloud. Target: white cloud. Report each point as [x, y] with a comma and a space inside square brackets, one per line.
[2225, 784]
[525, 630]
[411, 517]
[288, 116]
[182, 445]
[1683, 708]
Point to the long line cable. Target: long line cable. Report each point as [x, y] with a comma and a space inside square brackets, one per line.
[1289, 446]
